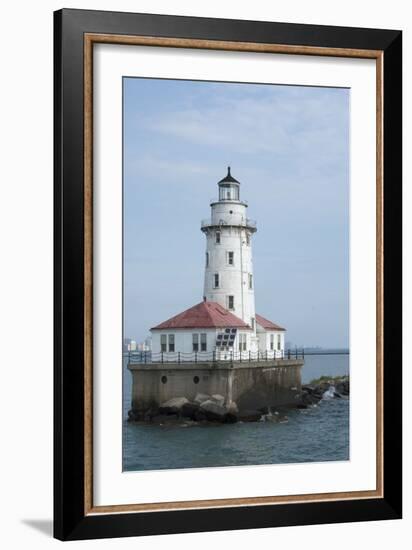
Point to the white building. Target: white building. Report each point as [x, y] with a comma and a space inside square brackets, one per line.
[225, 324]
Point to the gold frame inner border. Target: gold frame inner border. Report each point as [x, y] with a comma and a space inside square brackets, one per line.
[93, 38]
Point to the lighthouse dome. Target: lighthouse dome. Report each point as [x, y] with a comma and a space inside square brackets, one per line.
[229, 178]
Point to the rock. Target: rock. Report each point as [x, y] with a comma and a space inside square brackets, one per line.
[231, 418]
[219, 399]
[150, 413]
[200, 415]
[213, 411]
[249, 416]
[308, 388]
[189, 410]
[201, 397]
[342, 387]
[232, 408]
[173, 406]
[310, 398]
[160, 419]
[135, 415]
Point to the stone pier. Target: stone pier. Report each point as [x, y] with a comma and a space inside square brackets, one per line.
[252, 385]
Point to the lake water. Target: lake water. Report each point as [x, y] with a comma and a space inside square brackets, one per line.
[316, 434]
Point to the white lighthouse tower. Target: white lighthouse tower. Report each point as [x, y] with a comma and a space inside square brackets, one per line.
[224, 325]
[229, 277]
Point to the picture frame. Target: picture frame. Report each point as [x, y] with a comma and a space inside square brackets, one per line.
[76, 32]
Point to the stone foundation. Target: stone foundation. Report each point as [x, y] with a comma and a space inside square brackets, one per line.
[252, 385]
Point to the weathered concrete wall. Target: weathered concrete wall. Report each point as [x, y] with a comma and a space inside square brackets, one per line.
[250, 385]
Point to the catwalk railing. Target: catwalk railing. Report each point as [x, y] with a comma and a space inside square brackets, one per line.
[139, 357]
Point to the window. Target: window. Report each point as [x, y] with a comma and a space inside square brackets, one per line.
[279, 341]
[203, 342]
[230, 302]
[163, 342]
[216, 280]
[171, 342]
[195, 341]
[250, 281]
[242, 342]
[230, 258]
[228, 194]
[248, 238]
[217, 237]
[207, 259]
[272, 341]
[252, 323]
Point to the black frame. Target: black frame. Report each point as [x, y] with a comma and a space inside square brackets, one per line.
[70, 522]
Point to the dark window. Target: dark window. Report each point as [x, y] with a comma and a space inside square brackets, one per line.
[216, 280]
[196, 379]
[248, 238]
[230, 258]
[164, 379]
[171, 342]
[163, 342]
[230, 302]
[217, 237]
[250, 280]
[195, 341]
[207, 259]
[203, 342]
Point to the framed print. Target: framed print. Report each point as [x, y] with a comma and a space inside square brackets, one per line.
[227, 274]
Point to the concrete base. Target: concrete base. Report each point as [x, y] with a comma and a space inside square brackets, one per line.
[251, 385]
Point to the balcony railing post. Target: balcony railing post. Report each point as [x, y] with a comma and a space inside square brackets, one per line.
[162, 356]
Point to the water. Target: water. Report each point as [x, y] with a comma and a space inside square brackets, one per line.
[317, 434]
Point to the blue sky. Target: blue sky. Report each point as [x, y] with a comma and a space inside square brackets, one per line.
[289, 148]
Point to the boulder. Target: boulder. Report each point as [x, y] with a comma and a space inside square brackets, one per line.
[189, 410]
[173, 406]
[219, 399]
[134, 415]
[160, 419]
[342, 387]
[201, 397]
[213, 411]
[249, 416]
[232, 408]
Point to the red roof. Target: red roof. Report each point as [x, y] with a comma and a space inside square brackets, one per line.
[204, 315]
[268, 325]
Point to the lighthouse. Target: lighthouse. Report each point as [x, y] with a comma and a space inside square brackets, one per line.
[219, 350]
[224, 325]
[228, 278]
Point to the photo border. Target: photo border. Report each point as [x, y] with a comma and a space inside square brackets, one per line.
[76, 31]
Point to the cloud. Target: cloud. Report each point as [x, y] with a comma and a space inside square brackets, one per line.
[275, 123]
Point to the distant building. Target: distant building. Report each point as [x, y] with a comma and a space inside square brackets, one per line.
[132, 346]
[225, 322]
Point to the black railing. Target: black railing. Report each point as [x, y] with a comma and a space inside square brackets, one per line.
[143, 357]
